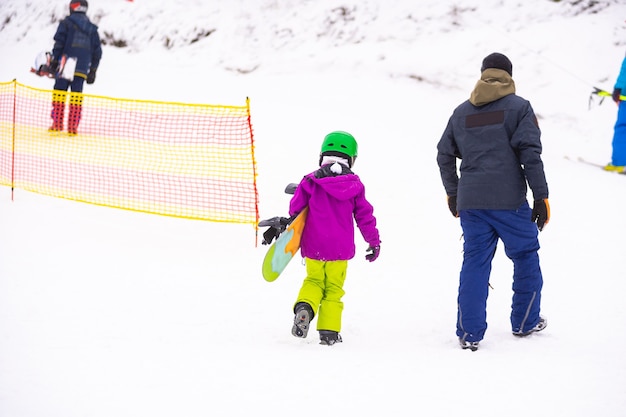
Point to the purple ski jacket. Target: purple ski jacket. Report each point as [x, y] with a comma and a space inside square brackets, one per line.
[335, 202]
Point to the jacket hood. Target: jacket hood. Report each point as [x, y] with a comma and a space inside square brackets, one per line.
[493, 85]
[343, 186]
[82, 22]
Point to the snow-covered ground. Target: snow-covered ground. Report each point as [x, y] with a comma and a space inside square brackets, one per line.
[105, 312]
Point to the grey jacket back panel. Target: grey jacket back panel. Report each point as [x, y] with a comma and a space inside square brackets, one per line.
[499, 145]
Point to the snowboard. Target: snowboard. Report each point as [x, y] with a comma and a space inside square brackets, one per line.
[42, 68]
[282, 251]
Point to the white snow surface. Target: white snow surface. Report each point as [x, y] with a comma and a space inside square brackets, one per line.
[110, 313]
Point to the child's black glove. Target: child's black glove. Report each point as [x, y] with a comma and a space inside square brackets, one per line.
[91, 77]
[277, 225]
[372, 253]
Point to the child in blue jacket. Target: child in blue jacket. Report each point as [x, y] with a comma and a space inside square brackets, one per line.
[76, 37]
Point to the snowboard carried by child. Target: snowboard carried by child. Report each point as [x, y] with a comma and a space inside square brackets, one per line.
[287, 232]
[45, 66]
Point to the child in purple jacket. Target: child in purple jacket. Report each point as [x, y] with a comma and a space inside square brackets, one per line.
[336, 199]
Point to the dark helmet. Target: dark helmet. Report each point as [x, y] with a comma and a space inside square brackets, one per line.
[78, 6]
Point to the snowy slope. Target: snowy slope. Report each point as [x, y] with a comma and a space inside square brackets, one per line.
[110, 313]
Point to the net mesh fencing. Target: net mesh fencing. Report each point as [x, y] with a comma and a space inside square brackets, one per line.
[185, 160]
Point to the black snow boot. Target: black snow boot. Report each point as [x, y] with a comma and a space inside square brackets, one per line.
[302, 319]
[541, 324]
[329, 337]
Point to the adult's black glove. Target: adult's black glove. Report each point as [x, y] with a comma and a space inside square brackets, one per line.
[277, 225]
[372, 253]
[91, 77]
[452, 205]
[541, 213]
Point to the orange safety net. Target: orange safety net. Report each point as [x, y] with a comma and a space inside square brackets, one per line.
[185, 160]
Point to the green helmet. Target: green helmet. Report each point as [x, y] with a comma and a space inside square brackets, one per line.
[340, 142]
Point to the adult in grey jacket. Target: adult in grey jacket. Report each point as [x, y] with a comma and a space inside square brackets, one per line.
[496, 136]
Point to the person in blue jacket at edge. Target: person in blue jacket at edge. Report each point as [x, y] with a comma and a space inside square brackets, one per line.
[75, 37]
[618, 156]
[496, 136]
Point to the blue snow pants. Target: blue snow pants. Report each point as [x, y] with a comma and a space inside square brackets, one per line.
[76, 85]
[618, 157]
[481, 231]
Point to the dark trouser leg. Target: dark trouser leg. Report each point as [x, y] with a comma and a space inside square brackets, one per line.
[521, 245]
[478, 251]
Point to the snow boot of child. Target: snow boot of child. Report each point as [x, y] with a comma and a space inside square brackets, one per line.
[58, 110]
[329, 337]
[302, 319]
[74, 119]
[76, 109]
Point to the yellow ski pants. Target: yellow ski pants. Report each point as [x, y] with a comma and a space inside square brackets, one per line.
[322, 289]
